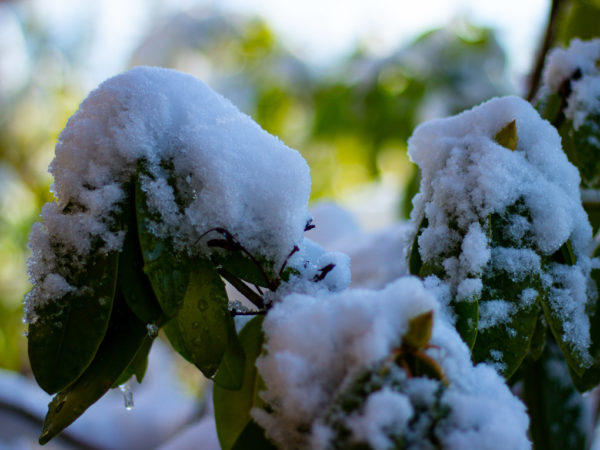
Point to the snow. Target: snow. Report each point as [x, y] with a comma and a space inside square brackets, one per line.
[562, 63]
[377, 257]
[208, 165]
[471, 186]
[317, 347]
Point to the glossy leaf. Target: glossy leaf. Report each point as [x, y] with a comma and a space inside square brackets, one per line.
[230, 374]
[557, 411]
[138, 366]
[506, 343]
[240, 265]
[64, 339]
[203, 320]
[467, 319]
[125, 337]
[232, 407]
[167, 270]
[132, 280]
[538, 340]
[253, 438]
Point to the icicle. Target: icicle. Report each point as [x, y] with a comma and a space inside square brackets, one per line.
[127, 395]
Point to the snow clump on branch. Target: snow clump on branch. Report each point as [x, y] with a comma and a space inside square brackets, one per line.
[337, 373]
[205, 165]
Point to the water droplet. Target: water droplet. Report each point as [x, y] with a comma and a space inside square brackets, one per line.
[197, 341]
[25, 333]
[127, 396]
[195, 325]
[152, 330]
[202, 306]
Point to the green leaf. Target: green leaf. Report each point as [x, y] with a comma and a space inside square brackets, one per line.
[172, 332]
[232, 407]
[253, 438]
[414, 256]
[123, 340]
[507, 136]
[230, 374]
[203, 319]
[557, 411]
[239, 264]
[538, 340]
[588, 378]
[167, 270]
[467, 319]
[506, 342]
[65, 337]
[137, 366]
[132, 280]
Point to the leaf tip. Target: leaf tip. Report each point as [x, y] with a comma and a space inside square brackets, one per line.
[507, 136]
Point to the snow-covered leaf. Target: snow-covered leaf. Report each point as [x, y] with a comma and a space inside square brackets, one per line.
[68, 331]
[167, 270]
[132, 281]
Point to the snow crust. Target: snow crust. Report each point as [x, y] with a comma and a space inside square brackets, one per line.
[207, 165]
[470, 180]
[317, 346]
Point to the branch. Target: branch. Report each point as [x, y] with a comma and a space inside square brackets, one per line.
[536, 75]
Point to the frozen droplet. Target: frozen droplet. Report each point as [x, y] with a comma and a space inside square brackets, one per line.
[127, 396]
[152, 330]
[25, 333]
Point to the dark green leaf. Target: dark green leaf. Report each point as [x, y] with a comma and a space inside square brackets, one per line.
[123, 340]
[133, 282]
[232, 407]
[467, 318]
[538, 341]
[557, 411]
[137, 366]
[203, 319]
[67, 333]
[253, 438]
[555, 319]
[506, 343]
[231, 370]
[240, 265]
[167, 270]
[414, 257]
[172, 332]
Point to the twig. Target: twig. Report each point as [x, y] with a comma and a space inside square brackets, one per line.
[242, 288]
[18, 411]
[536, 75]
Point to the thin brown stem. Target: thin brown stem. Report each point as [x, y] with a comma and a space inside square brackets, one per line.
[549, 37]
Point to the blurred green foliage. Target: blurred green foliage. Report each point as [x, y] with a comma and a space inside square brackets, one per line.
[350, 120]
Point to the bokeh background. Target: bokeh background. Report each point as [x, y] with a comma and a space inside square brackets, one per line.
[345, 83]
